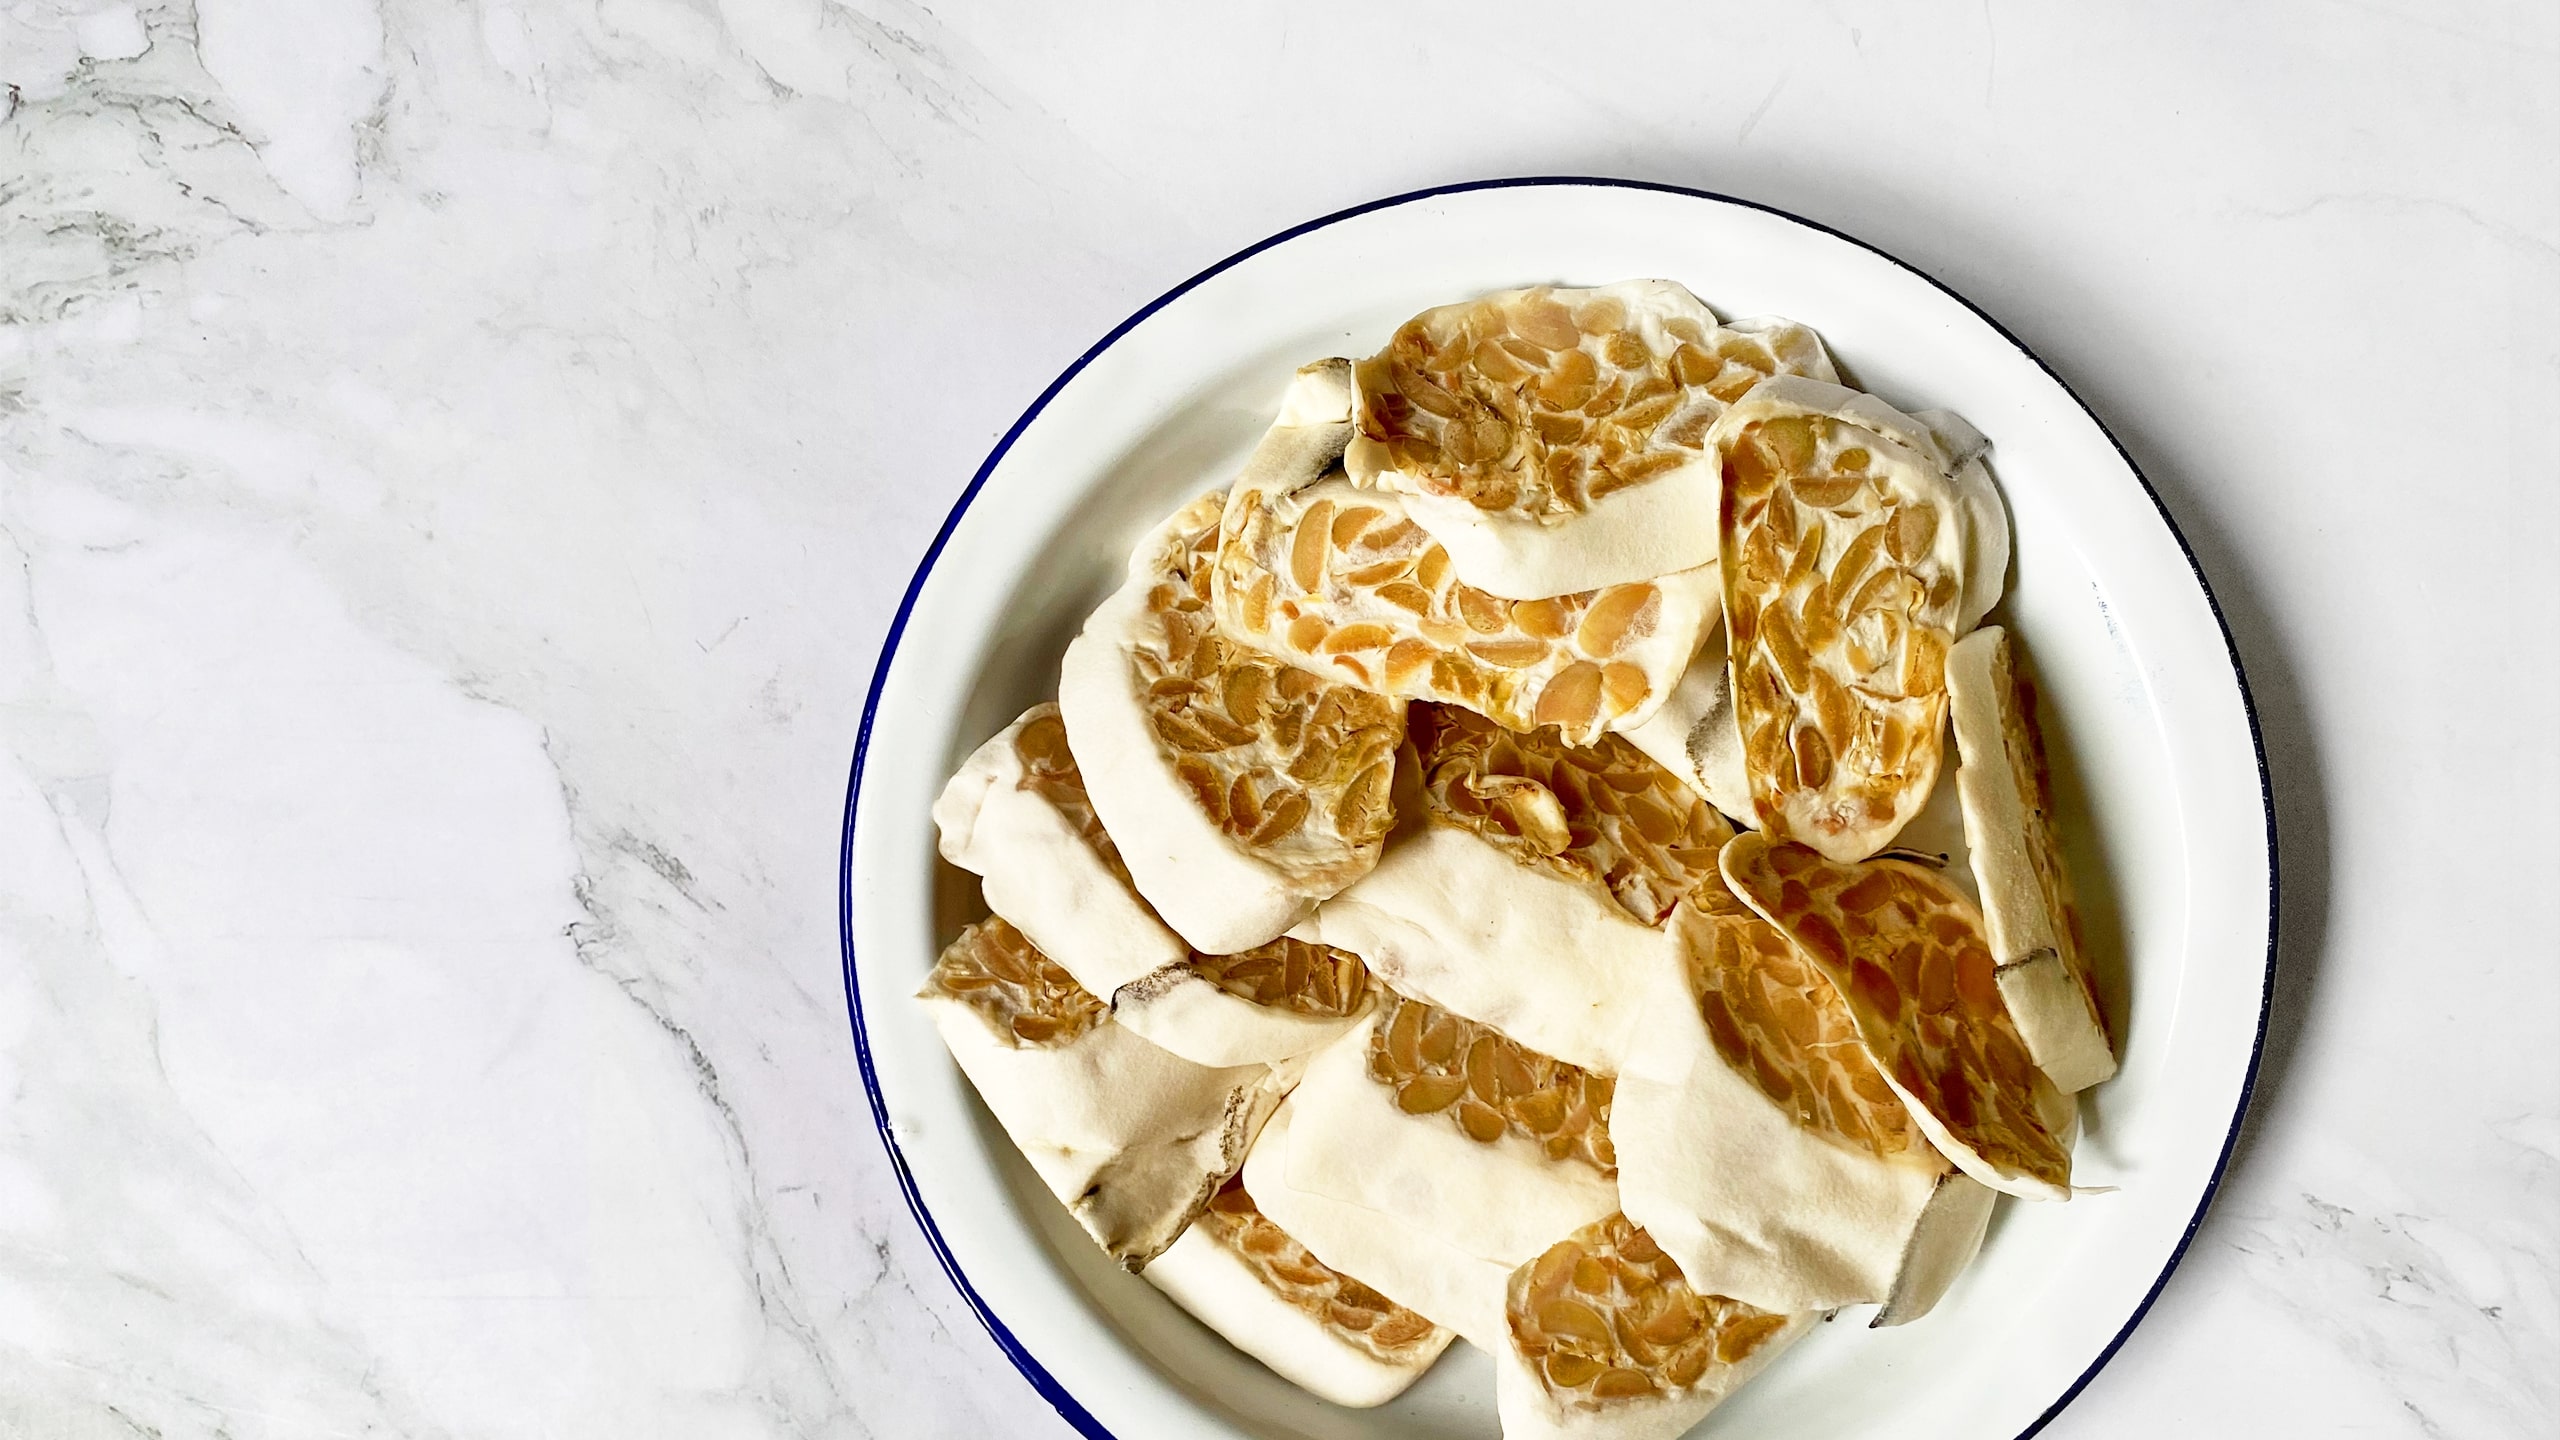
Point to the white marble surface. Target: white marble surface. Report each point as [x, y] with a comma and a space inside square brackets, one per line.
[457, 462]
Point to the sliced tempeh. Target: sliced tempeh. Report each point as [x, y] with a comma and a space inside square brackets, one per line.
[2017, 863]
[1603, 816]
[1530, 894]
[1454, 1130]
[1416, 1268]
[1695, 737]
[1943, 1242]
[1555, 440]
[1986, 555]
[1607, 1341]
[1239, 790]
[1907, 952]
[1017, 815]
[1759, 1145]
[1131, 1137]
[1285, 998]
[1342, 582]
[1846, 542]
[1245, 1277]
[1935, 838]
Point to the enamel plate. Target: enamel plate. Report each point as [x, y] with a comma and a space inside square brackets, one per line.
[2158, 770]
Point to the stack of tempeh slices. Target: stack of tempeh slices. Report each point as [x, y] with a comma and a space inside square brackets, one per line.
[1450, 896]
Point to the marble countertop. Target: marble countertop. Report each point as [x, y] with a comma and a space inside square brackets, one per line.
[457, 462]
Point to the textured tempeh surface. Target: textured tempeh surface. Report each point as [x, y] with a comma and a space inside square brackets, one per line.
[1907, 954]
[1607, 1319]
[1778, 1019]
[1342, 582]
[1024, 996]
[1489, 1084]
[1539, 402]
[1356, 1314]
[1296, 975]
[1292, 767]
[1603, 813]
[1843, 555]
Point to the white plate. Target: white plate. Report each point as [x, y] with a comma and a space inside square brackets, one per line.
[2176, 840]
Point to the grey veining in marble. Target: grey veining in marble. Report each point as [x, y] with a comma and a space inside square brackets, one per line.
[457, 462]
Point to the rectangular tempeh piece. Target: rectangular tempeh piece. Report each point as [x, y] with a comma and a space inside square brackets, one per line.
[2017, 861]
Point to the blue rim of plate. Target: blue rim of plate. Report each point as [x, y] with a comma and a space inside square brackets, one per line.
[1032, 1370]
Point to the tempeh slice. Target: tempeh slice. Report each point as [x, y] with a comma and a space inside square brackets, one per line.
[1245, 1277]
[1289, 997]
[1415, 1267]
[1239, 790]
[1846, 542]
[1131, 1137]
[1759, 1145]
[1606, 1340]
[1017, 815]
[1986, 558]
[1455, 1130]
[1554, 440]
[1907, 952]
[2007, 795]
[1529, 891]
[1341, 582]
[1695, 737]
